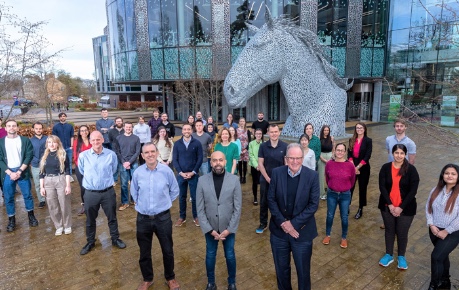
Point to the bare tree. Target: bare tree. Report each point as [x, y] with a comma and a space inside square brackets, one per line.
[24, 54]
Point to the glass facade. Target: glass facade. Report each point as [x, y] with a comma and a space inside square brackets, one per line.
[122, 36]
[423, 55]
[180, 36]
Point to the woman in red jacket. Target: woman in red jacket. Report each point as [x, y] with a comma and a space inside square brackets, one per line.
[398, 184]
[80, 144]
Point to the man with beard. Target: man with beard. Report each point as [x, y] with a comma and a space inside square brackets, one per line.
[112, 134]
[153, 201]
[39, 145]
[16, 153]
[187, 159]
[154, 123]
[260, 124]
[219, 203]
[170, 128]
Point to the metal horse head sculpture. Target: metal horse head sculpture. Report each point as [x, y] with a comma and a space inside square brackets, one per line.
[283, 52]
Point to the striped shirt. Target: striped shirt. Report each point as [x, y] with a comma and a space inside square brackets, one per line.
[438, 217]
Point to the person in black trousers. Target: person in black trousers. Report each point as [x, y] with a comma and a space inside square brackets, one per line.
[359, 152]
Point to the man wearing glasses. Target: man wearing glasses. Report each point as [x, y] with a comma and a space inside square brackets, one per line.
[293, 199]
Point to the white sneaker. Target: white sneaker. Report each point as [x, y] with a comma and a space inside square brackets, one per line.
[59, 232]
[71, 179]
[68, 231]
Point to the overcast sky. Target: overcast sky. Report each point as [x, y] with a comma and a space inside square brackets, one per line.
[71, 23]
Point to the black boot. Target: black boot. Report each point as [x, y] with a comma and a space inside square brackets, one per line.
[359, 213]
[243, 180]
[445, 283]
[32, 220]
[11, 224]
[433, 285]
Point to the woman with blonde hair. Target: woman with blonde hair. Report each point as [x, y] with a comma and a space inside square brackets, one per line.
[55, 185]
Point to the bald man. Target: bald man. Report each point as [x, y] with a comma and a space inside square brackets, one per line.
[219, 203]
[97, 165]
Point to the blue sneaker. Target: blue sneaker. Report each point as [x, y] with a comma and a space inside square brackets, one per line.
[261, 228]
[402, 264]
[386, 260]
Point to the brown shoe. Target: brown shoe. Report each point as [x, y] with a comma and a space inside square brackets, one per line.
[124, 206]
[326, 240]
[382, 226]
[81, 211]
[196, 222]
[173, 284]
[180, 222]
[145, 285]
[343, 243]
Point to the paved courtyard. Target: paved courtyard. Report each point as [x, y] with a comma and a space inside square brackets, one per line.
[33, 258]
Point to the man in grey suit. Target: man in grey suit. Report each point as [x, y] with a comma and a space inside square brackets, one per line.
[219, 203]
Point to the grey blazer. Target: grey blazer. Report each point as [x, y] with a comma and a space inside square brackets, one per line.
[224, 213]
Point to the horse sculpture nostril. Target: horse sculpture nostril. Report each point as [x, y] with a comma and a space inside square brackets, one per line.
[231, 90]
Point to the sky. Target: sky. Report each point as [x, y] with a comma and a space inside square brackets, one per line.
[71, 24]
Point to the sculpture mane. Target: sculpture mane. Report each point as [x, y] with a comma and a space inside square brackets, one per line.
[283, 52]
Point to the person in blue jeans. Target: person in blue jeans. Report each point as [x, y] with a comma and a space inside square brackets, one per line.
[340, 177]
[16, 154]
[66, 133]
[187, 159]
[219, 203]
[127, 149]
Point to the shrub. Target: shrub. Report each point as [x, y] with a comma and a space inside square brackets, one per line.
[138, 105]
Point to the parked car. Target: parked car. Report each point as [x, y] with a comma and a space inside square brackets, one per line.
[27, 103]
[75, 100]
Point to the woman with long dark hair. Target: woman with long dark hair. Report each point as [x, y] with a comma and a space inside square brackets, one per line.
[340, 176]
[326, 154]
[442, 213]
[80, 144]
[230, 122]
[314, 141]
[190, 121]
[55, 185]
[165, 146]
[244, 137]
[398, 184]
[359, 152]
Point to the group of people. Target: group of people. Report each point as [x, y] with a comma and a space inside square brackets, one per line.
[212, 165]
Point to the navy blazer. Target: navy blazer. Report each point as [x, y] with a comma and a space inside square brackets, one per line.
[364, 153]
[306, 203]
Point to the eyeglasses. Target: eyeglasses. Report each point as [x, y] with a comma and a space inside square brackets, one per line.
[359, 128]
[294, 158]
[340, 150]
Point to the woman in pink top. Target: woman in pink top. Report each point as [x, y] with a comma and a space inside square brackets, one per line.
[359, 152]
[80, 144]
[340, 177]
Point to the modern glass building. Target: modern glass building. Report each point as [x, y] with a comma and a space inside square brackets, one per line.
[153, 44]
[423, 54]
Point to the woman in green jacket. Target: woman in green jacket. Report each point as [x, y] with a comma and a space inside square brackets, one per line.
[254, 146]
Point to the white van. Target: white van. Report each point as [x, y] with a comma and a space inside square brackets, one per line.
[104, 102]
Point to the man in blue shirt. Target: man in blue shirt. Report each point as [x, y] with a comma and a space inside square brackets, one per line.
[154, 188]
[103, 125]
[39, 145]
[97, 166]
[66, 133]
